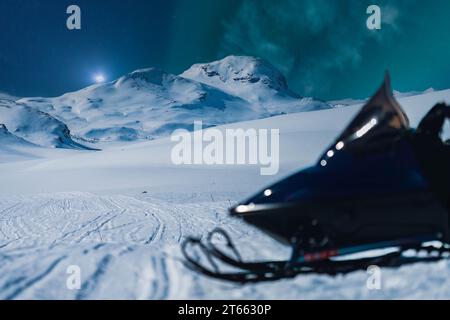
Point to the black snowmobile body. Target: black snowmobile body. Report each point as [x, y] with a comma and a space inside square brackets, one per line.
[378, 181]
[380, 185]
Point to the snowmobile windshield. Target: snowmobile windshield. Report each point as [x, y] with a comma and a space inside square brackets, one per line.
[378, 122]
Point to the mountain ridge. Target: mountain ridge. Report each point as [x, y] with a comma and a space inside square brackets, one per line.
[150, 103]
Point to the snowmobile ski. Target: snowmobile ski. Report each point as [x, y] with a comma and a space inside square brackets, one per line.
[319, 262]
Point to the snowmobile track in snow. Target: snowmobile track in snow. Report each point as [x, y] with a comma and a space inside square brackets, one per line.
[45, 225]
[127, 247]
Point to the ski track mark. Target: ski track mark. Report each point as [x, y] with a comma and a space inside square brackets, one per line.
[32, 281]
[89, 285]
[98, 225]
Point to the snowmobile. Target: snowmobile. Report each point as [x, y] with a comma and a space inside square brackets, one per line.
[379, 187]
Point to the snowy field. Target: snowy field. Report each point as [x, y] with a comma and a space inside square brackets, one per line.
[86, 208]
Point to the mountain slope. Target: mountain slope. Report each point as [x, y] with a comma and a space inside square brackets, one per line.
[7, 96]
[254, 80]
[144, 104]
[35, 126]
[151, 103]
[7, 138]
[13, 148]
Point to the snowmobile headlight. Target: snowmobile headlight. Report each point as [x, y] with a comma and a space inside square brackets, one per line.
[340, 145]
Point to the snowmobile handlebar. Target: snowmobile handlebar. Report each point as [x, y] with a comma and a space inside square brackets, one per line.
[433, 122]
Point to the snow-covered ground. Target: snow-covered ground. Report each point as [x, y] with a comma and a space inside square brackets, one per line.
[120, 214]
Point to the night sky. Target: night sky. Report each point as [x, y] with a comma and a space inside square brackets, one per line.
[322, 46]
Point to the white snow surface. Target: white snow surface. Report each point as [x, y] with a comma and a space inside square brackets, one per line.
[120, 214]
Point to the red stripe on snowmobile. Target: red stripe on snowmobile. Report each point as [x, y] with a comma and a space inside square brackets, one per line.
[323, 255]
[326, 254]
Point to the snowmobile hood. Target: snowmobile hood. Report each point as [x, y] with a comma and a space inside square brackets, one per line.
[372, 156]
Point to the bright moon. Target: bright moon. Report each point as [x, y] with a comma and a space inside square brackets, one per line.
[99, 78]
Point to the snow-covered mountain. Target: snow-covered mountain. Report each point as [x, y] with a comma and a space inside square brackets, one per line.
[399, 94]
[13, 148]
[151, 103]
[7, 138]
[144, 104]
[7, 96]
[253, 79]
[34, 126]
